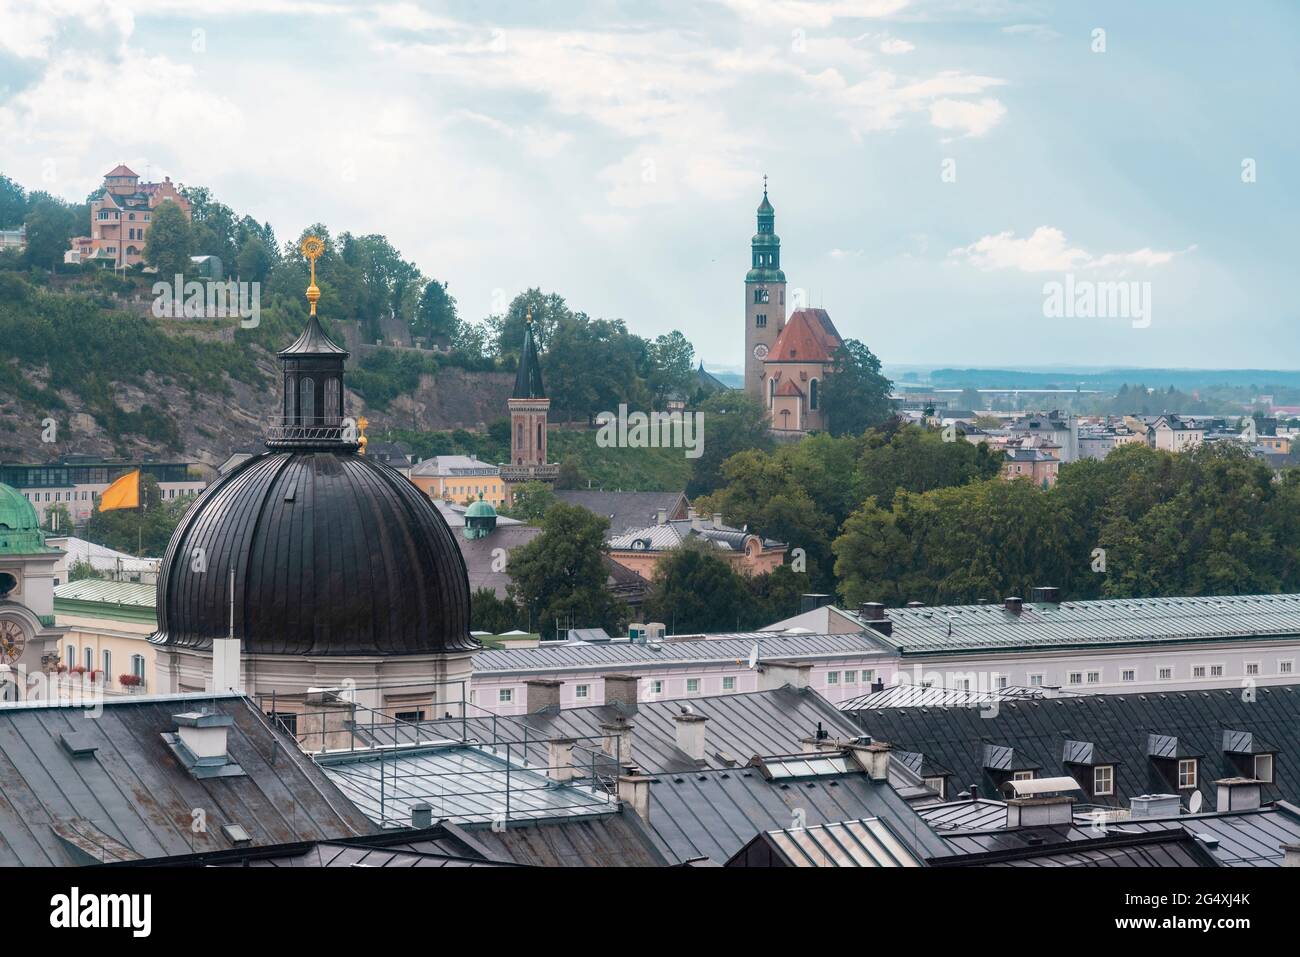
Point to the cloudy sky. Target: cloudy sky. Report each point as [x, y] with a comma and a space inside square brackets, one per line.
[933, 163]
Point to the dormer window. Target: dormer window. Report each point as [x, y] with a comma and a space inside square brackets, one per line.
[1023, 776]
[1186, 773]
[1103, 780]
[1264, 768]
[937, 785]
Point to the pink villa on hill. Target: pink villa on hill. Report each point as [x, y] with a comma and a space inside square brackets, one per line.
[120, 218]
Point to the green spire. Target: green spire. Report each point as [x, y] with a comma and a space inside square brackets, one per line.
[528, 380]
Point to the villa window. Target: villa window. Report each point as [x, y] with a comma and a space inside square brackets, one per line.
[1103, 780]
[1187, 773]
[506, 695]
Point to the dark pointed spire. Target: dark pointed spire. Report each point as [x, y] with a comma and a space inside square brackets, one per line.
[528, 380]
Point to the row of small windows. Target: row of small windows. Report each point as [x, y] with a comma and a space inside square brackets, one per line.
[88, 662]
[655, 688]
[106, 214]
[1285, 666]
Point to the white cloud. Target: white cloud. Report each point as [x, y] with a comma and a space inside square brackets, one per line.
[1039, 31]
[892, 46]
[814, 13]
[1047, 250]
[971, 118]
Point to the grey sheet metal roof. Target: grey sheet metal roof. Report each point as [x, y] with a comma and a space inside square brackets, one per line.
[328, 854]
[592, 840]
[622, 654]
[1162, 849]
[130, 798]
[713, 814]
[1120, 727]
[919, 696]
[1239, 838]
[627, 509]
[867, 842]
[460, 783]
[1127, 621]
[965, 815]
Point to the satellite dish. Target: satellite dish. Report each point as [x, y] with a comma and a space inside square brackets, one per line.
[1194, 804]
[753, 657]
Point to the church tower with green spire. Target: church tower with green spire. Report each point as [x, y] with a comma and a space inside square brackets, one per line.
[764, 298]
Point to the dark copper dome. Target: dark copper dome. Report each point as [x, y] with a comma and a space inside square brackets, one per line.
[332, 553]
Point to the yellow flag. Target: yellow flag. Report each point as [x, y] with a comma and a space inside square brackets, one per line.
[124, 493]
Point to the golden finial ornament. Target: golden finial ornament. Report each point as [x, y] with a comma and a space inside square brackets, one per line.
[312, 247]
[528, 317]
[362, 441]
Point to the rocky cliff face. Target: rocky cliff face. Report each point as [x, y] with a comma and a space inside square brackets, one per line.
[211, 426]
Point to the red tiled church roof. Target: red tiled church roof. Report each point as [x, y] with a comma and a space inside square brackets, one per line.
[119, 171]
[809, 336]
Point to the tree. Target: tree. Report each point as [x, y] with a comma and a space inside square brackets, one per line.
[80, 569]
[139, 531]
[13, 203]
[57, 519]
[547, 310]
[693, 591]
[855, 395]
[50, 226]
[530, 502]
[570, 475]
[733, 422]
[919, 460]
[169, 241]
[254, 260]
[489, 613]
[559, 577]
[671, 369]
[435, 316]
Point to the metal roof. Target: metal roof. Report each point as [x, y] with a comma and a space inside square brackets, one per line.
[460, 783]
[108, 592]
[1126, 621]
[867, 842]
[616, 839]
[623, 655]
[713, 814]
[1187, 723]
[919, 696]
[1238, 838]
[130, 798]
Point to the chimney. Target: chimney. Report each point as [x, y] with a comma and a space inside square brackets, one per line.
[1047, 595]
[873, 614]
[621, 690]
[690, 734]
[327, 721]
[1290, 855]
[225, 665]
[199, 743]
[1154, 805]
[634, 791]
[616, 740]
[559, 759]
[878, 685]
[1013, 605]
[777, 674]
[1237, 794]
[421, 816]
[661, 517]
[916, 604]
[1051, 811]
[873, 758]
[717, 519]
[974, 792]
[541, 694]
[692, 516]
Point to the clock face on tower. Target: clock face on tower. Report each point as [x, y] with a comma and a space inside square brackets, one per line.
[760, 351]
[12, 642]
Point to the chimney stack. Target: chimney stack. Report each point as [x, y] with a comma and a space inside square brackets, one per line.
[1237, 794]
[634, 791]
[873, 758]
[559, 759]
[690, 734]
[778, 674]
[622, 690]
[421, 816]
[873, 614]
[1046, 594]
[878, 685]
[616, 740]
[661, 517]
[1013, 605]
[717, 519]
[1290, 855]
[541, 694]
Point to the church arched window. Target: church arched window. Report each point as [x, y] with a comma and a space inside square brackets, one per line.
[306, 400]
[539, 437]
[519, 435]
[814, 397]
[333, 407]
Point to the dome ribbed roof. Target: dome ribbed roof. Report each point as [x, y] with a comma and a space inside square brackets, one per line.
[333, 554]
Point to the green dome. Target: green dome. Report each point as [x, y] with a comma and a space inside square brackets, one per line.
[480, 509]
[20, 529]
